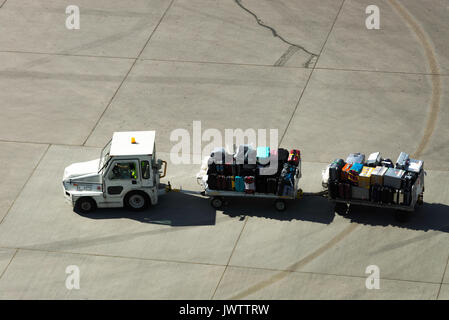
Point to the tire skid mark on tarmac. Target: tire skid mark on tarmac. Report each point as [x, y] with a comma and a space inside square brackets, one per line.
[435, 74]
[295, 266]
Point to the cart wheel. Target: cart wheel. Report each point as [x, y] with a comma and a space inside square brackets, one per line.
[341, 209]
[216, 202]
[280, 205]
[401, 215]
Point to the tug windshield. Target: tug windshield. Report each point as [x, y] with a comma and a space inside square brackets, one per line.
[104, 158]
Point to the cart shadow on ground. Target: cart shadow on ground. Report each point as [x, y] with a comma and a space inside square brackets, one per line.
[181, 210]
[428, 217]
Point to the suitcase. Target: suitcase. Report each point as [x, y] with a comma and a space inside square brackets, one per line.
[408, 180]
[353, 174]
[407, 198]
[228, 170]
[239, 184]
[261, 184]
[376, 193]
[377, 176]
[359, 193]
[212, 181]
[220, 169]
[246, 155]
[387, 195]
[335, 169]
[283, 155]
[294, 157]
[333, 189]
[373, 160]
[365, 177]
[288, 191]
[356, 158]
[415, 166]
[387, 163]
[212, 168]
[393, 178]
[220, 156]
[345, 172]
[347, 188]
[229, 183]
[402, 161]
[250, 186]
[272, 185]
[263, 155]
[221, 182]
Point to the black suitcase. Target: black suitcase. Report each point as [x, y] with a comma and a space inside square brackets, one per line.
[229, 183]
[261, 184]
[221, 182]
[280, 187]
[272, 185]
[212, 181]
[408, 180]
[375, 193]
[212, 168]
[386, 195]
[347, 187]
[333, 189]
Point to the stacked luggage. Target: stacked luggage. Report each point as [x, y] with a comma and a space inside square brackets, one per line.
[374, 179]
[252, 171]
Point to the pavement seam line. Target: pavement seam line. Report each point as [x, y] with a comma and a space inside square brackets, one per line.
[442, 278]
[330, 274]
[25, 183]
[224, 63]
[229, 260]
[127, 74]
[310, 75]
[7, 266]
[1, 6]
[277, 35]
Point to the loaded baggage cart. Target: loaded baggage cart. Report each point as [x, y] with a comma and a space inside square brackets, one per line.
[383, 186]
[258, 180]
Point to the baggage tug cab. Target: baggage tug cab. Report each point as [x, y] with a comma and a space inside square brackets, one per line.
[127, 174]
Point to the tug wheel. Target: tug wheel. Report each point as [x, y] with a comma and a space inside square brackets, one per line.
[85, 204]
[136, 201]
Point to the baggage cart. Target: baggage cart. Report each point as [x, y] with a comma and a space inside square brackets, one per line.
[217, 197]
[402, 211]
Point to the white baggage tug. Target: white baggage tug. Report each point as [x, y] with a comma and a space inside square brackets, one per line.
[126, 174]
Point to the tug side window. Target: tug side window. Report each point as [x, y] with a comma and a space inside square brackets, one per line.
[123, 171]
[145, 169]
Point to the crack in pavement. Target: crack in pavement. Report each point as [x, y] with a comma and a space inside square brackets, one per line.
[283, 59]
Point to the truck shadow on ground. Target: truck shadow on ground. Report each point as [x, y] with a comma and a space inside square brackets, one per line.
[173, 209]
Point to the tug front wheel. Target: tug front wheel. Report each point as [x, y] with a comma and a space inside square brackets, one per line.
[85, 204]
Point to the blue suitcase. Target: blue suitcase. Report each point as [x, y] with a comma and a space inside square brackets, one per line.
[239, 184]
